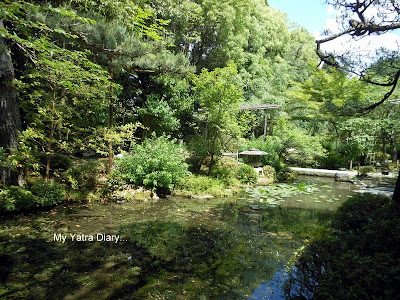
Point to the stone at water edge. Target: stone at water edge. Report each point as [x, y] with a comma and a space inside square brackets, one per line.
[343, 177]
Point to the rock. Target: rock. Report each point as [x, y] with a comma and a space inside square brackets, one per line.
[383, 191]
[343, 176]
[154, 196]
[203, 197]
[131, 194]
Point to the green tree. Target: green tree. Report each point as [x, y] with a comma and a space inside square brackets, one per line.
[218, 94]
[361, 19]
[62, 107]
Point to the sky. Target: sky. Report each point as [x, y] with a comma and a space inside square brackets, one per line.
[311, 14]
[316, 15]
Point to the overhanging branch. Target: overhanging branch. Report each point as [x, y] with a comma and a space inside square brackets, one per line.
[387, 95]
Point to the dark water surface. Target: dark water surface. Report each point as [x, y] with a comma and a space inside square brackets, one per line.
[175, 248]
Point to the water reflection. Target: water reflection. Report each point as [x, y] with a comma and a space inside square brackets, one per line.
[175, 248]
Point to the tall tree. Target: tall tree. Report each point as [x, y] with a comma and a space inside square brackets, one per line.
[361, 19]
[9, 111]
[218, 93]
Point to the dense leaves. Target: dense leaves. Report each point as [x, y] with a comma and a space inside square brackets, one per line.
[157, 163]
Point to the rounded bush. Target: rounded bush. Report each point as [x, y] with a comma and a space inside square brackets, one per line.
[156, 163]
[246, 174]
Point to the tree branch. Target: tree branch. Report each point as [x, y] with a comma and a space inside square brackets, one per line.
[387, 95]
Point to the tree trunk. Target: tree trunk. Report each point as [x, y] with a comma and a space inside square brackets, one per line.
[394, 147]
[10, 120]
[110, 142]
[396, 194]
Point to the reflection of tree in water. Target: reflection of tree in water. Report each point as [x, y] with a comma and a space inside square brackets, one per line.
[184, 249]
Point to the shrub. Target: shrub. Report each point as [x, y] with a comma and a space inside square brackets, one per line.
[285, 174]
[84, 176]
[225, 169]
[39, 193]
[156, 163]
[334, 160]
[48, 192]
[15, 198]
[269, 172]
[363, 171]
[246, 174]
[200, 185]
[356, 213]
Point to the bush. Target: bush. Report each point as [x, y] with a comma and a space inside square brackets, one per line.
[246, 174]
[363, 171]
[83, 177]
[39, 193]
[15, 198]
[269, 172]
[334, 160]
[285, 174]
[156, 163]
[356, 213]
[48, 192]
[225, 169]
[201, 185]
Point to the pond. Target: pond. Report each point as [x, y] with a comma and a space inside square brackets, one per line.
[175, 248]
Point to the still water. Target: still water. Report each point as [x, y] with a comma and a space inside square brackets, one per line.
[175, 248]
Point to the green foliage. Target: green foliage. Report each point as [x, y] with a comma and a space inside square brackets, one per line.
[307, 150]
[59, 162]
[83, 176]
[333, 160]
[202, 185]
[225, 169]
[285, 174]
[15, 198]
[158, 116]
[218, 93]
[246, 174]
[269, 172]
[363, 171]
[101, 137]
[359, 259]
[156, 163]
[48, 192]
[40, 193]
[21, 158]
[62, 108]
[356, 214]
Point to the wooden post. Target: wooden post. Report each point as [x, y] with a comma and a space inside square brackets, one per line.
[265, 123]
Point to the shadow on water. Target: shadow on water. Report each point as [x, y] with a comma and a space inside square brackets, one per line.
[175, 248]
